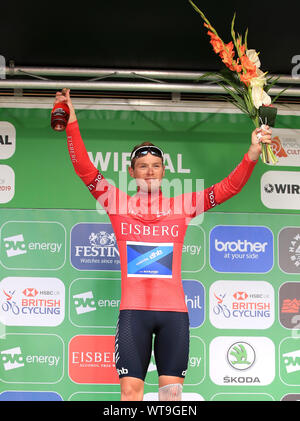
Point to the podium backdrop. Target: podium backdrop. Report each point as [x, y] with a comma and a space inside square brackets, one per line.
[60, 267]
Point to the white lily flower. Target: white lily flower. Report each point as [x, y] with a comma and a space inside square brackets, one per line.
[260, 80]
[260, 97]
[253, 56]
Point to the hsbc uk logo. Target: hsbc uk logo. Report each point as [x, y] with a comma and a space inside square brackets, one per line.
[242, 304]
[241, 249]
[32, 301]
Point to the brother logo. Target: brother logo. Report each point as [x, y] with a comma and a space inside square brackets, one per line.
[241, 249]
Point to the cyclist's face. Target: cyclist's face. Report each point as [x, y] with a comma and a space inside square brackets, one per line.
[148, 171]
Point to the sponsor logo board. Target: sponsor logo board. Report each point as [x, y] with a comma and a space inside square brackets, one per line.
[241, 249]
[280, 190]
[94, 247]
[32, 301]
[241, 305]
[242, 361]
[32, 245]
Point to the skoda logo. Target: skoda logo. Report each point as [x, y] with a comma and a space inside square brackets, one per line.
[241, 356]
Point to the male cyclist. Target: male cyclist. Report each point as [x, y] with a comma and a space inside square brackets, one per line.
[150, 231]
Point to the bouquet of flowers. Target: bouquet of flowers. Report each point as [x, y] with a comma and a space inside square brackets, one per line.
[242, 79]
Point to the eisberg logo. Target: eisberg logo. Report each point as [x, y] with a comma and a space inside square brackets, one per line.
[94, 247]
[241, 249]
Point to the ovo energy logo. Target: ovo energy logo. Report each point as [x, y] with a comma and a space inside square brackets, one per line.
[95, 302]
[15, 245]
[290, 361]
[32, 245]
[31, 358]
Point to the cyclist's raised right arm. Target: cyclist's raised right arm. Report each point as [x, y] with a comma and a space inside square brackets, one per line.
[82, 164]
[99, 187]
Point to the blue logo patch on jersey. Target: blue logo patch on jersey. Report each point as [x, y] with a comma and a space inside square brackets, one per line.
[149, 260]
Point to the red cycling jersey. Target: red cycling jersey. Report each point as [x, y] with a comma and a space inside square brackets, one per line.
[150, 229]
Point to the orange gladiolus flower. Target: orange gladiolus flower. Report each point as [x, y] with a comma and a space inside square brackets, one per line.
[227, 54]
[216, 42]
[248, 65]
[242, 48]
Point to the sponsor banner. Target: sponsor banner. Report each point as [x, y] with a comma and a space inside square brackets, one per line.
[153, 396]
[7, 140]
[149, 260]
[242, 361]
[291, 397]
[92, 359]
[28, 395]
[196, 371]
[242, 397]
[289, 361]
[241, 305]
[94, 247]
[31, 358]
[241, 249]
[193, 250]
[95, 302]
[195, 301]
[280, 190]
[286, 146]
[289, 249]
[32, 301]
[95, 396]
[32, 245]
[7, 183]
[289, 305]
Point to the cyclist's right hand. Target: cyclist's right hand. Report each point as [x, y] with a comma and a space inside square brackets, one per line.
[64, 96]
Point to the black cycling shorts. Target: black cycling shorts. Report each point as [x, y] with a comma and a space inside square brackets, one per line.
[134, 338]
